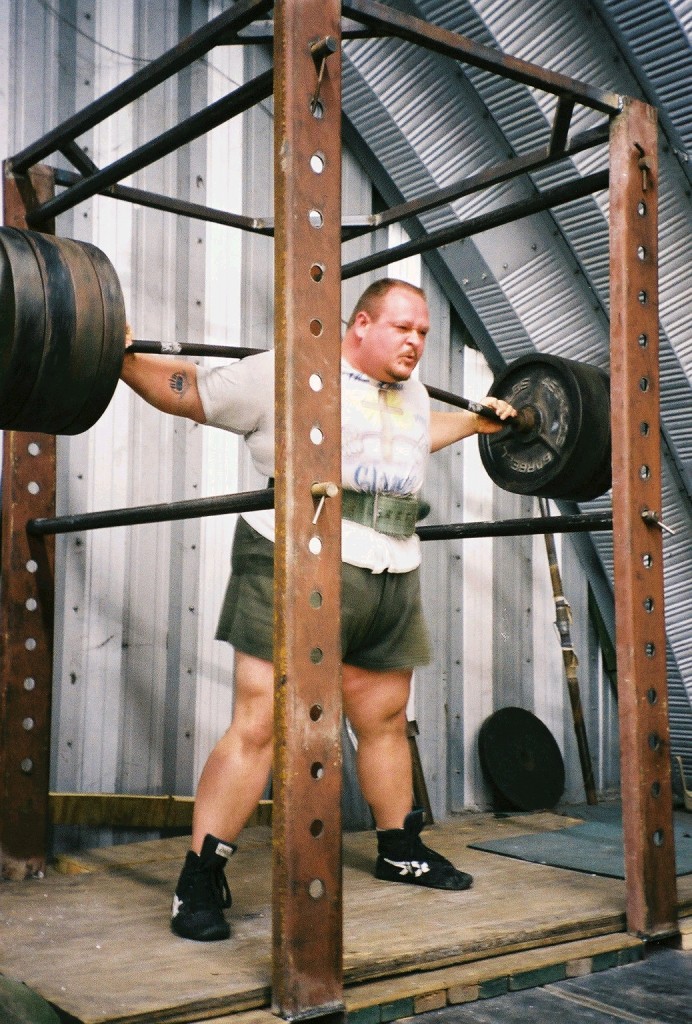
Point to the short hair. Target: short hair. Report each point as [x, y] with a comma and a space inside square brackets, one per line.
[370, 301]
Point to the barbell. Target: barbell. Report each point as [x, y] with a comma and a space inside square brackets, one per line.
[62, 336]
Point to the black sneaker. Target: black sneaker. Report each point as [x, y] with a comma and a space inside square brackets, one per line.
[202, 893]
[403, 857]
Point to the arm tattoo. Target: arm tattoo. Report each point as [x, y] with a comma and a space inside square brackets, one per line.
[179, 383]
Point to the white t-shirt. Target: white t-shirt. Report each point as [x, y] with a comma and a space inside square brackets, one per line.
[385, 444]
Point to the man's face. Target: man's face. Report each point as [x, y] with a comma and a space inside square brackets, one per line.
[391, 344]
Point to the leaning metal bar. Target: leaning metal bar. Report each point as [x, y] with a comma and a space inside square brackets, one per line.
[584, 523]
[504, 215]
[154, 201]
[239, 100]
[26, 609]
[647, 799]
[461, 48]
[307, 905]
[218, 505]
[494, 175]
[185, 52]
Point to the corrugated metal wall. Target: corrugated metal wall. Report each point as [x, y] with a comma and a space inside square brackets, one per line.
[141, 689]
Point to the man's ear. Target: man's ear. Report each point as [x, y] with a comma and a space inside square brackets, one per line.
[360, 322]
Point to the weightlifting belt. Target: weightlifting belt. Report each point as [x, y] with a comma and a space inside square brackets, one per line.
[386, 513]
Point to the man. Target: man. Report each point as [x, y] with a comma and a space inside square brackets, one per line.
[388, 430]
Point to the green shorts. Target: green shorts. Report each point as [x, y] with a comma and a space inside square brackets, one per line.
[382, 624]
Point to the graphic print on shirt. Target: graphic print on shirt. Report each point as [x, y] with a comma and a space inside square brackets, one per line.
[385, 435]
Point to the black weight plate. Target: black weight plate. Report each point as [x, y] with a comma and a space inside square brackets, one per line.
[567, 454]
[52, 398]
[528, 463]
[109, 299]
[22, 324]
[587, 474]
[521, 759]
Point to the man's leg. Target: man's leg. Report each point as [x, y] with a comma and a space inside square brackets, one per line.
[229, 789]
[236, 772]
[375, 704]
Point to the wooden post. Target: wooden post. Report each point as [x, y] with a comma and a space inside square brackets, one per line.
[638, 551]
[307, 920]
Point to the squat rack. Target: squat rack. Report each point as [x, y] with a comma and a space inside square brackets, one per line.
[306, 81]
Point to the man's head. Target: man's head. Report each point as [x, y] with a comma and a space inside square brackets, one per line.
[385, 336]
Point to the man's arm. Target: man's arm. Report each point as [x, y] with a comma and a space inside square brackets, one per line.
[168, 384]
[448, 427]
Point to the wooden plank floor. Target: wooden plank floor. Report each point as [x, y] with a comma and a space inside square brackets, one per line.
[98, 944]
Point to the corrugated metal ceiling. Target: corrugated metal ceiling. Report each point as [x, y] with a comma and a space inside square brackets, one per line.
[420, 120]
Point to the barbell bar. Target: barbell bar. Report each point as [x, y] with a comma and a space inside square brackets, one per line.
[62, 345]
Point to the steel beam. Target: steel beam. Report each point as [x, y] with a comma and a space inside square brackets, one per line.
[577, 189]
[637, 540]
[382, 18]
[307, 900]
[242, 14]
[203, 121]
[26, 610]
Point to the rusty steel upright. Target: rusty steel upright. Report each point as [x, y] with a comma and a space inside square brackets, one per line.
[26, 610]
[637, 539]
[307, 902]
